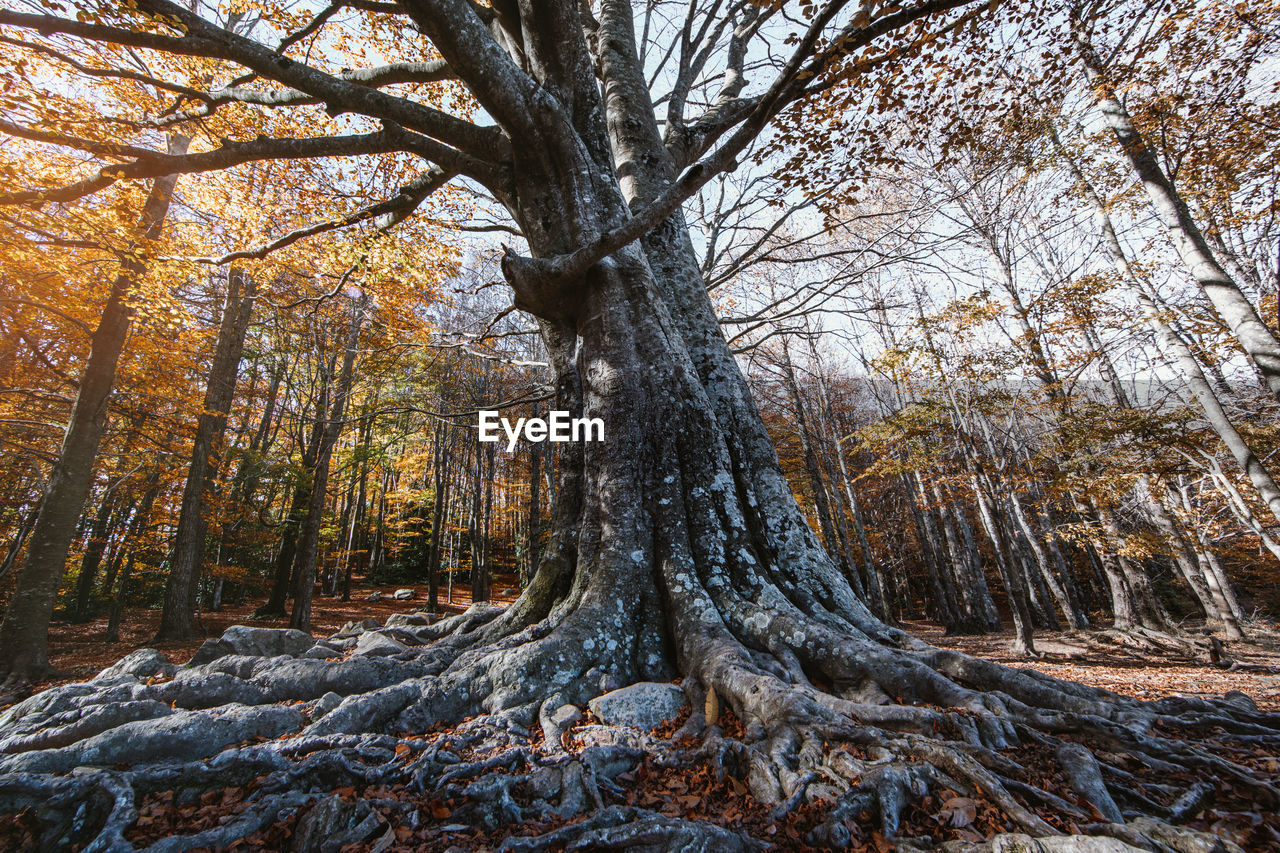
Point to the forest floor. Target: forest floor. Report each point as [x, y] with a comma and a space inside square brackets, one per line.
[689, 789]
[1090, 658]
[79, 651]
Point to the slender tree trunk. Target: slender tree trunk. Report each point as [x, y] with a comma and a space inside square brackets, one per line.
[15, 547]
[533, 551]
[1024, 642]
[958, 577]
[357, 517]
[309, 538]
[25, 630]
[1228, 300]
[1183, 358]
[817, 484]
[440, 500]
[480, 573]
[977, 577]
[177, 617]
[872, 583]
[1074, 618]
[946, 605]
[98, 534]
[1193, 567]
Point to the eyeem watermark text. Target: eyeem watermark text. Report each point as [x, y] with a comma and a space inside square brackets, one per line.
[557, 426]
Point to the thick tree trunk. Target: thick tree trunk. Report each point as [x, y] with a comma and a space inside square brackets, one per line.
[24, 632]
[676, 545]
[177, 616]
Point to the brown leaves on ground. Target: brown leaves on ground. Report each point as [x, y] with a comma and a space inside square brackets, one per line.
[161, 816]
[1082, 657]
[80, 651]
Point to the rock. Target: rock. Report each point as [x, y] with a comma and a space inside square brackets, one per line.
[210, 650]
[376, 644]
[614, 737]
[410, 620]
[325, 704]
[332, 823]
[644, 705]
[1240, 700]
[374, 596]
[565, 716]
[1014, 842]
[141, 664]
[403, 594]
[267, 642]
[355, 629]
[254, 642]
[608, 762]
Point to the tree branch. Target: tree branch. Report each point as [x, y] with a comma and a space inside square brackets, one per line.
[391, 211]
[478, 145]
[786, 88]
[153, 164]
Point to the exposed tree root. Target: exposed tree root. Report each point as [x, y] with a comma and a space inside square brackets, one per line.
[835, 734]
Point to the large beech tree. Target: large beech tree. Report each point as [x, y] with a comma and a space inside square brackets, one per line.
[676, 547]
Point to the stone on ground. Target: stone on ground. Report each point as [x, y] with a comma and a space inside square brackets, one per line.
[254, 642]
[376, 644]
[645, 705]
[355, 629]
[143, 663]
